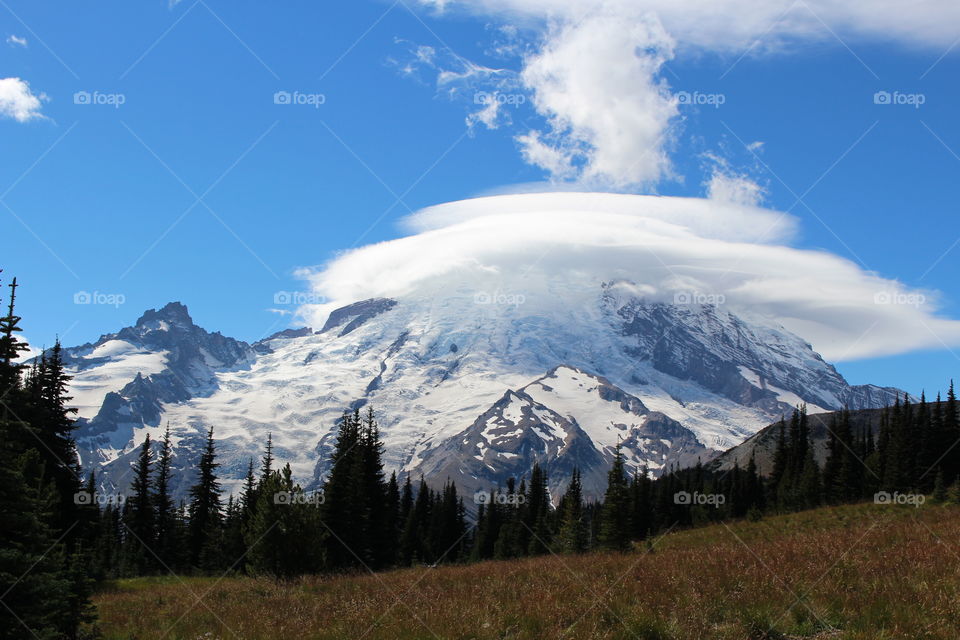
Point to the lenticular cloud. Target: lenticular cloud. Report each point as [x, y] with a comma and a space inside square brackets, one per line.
[557, 249]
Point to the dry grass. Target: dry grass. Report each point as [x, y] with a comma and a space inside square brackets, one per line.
[862, 572]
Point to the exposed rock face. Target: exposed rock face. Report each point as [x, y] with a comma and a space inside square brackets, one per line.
[352, 316]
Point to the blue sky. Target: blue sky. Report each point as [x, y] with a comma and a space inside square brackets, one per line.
[200, 188]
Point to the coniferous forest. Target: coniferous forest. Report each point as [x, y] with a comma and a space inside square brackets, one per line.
[59, 539]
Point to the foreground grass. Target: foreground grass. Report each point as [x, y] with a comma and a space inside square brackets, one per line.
[856, 572]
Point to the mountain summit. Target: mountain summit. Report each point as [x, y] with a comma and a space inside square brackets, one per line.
[469, 385]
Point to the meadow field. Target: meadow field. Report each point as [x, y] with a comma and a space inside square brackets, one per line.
[863, 572]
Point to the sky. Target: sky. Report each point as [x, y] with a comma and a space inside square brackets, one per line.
[234, 155]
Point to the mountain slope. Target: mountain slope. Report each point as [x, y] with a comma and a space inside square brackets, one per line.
[560, 377]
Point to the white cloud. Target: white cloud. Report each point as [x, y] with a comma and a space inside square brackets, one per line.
[594, 70]
[734, 188]
[18, 102]
[16, 41]
[607, 115]
[557, 247]
[727, 185]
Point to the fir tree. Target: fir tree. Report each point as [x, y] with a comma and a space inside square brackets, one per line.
[537, 516]
[11, 347]
[281, 537]
[572, 535]
[205, 512]
[139, 516]
[163, 506]
[615, 524]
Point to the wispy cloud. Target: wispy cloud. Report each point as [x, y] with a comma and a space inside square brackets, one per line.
[16, 41]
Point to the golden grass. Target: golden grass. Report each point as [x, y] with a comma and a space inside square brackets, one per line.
[862, 572]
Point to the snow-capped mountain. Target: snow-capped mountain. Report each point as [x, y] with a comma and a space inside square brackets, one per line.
[468, 385]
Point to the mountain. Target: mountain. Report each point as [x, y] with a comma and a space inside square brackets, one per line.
[125, 382]
[762, 445]
[468, 385]
[588, 418]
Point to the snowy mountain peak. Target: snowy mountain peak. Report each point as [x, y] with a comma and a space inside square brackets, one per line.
[566, 419]
[472, 381]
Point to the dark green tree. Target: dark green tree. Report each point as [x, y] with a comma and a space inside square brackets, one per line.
[615, 513]
[205, 530]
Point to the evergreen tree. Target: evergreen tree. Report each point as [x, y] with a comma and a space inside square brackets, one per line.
[139, 516]
[615, 523]
[951, 434]
[54, 424]
[205, 512]
[393, 527]
[266, 463]
[779, 460]
[281, 537]
[167, 540]
[572, 535]
[11, 347]
[538, 513]
[34, 582]
[43, 591]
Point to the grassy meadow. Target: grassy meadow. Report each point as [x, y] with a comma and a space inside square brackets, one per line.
[864, 572]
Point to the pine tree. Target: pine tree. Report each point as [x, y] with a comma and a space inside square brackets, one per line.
[338, 508]
[951, 434]
[809, 487]
[641, 498]
[54, 425]
[266, 463]
[139, 516]
[43, 596]
[167, 539]
[779, 461]
[537, 516]
[414, 529]
[615, 524]
[205, 512]
[377, 548]
[10, 347]
[33, 579]
[393, 518]
[281, 537]
[572, 536]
